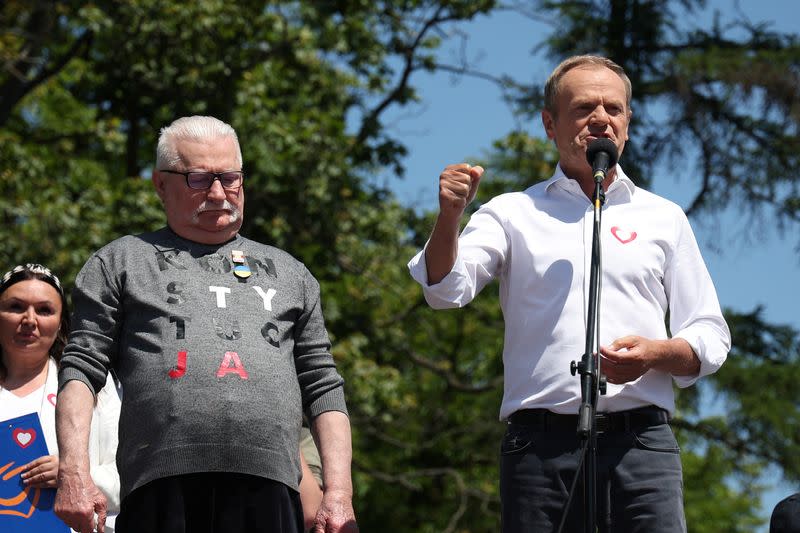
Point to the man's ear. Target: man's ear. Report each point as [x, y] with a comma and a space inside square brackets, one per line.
[549, 124]
[158, 182]
[628, 127]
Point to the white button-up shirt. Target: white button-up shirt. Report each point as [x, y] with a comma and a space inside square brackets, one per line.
[538, 243]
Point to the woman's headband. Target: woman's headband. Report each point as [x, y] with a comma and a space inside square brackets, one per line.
[18, 272]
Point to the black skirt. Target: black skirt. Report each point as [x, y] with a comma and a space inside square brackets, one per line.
[211, 503]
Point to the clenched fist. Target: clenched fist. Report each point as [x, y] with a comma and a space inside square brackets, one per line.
[458, 185]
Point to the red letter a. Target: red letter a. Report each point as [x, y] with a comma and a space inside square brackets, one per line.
[226, 368]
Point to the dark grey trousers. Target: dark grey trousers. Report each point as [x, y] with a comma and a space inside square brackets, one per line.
[639, 480]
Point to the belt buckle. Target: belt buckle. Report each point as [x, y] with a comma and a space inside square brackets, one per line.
[602, 423]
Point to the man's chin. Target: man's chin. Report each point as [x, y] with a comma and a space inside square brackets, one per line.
[212, 231]
[221, 225]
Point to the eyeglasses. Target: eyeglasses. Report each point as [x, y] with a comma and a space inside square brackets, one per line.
[230, 179]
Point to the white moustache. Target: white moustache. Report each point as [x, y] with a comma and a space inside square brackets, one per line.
[224, 206]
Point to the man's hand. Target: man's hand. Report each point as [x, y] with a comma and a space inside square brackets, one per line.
[336, 514]
[458, 185]
[79, 501]
[41, 473]
[628, 358]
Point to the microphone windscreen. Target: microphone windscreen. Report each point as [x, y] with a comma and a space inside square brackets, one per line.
[602, 144]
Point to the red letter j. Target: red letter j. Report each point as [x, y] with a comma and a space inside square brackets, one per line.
[180, 368]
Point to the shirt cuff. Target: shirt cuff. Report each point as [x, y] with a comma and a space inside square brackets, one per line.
[73, 374]
[333, 400]
[418, 268]
[710, 346]
[450, 292]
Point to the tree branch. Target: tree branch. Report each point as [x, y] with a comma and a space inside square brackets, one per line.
[453, 381]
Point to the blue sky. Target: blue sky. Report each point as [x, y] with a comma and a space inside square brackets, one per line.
[458, 119]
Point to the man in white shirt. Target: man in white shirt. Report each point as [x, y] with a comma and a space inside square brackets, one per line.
[538, 244]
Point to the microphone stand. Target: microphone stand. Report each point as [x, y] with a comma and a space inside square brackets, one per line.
[593, 383]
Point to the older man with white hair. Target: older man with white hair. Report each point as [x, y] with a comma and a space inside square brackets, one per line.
[220, 345]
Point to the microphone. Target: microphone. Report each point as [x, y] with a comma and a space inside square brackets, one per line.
[601, 154]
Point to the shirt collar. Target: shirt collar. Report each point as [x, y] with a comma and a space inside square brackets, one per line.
[621, 181]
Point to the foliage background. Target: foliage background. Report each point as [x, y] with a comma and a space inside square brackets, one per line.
[308, 86]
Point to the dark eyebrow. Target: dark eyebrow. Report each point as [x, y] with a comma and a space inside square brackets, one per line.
[20, 300]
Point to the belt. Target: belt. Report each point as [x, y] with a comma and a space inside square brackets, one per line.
[619, 421]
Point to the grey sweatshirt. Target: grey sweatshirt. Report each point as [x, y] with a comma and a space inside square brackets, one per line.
[216, 367]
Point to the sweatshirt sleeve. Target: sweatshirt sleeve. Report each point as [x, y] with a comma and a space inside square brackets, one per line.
[96, 319]
[320, 382]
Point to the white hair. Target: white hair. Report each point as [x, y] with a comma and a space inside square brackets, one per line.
[194, 128]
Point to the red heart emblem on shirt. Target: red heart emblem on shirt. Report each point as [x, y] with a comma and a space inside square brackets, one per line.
[24, 437]
[52, 398]
[622, 235]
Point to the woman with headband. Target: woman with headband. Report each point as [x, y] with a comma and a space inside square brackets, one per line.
[34, 326]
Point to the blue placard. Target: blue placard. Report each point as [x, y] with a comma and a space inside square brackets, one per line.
[24, 509]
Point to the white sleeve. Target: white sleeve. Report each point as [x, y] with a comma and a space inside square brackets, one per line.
[104, 470]
[695, 313]
[482, 253]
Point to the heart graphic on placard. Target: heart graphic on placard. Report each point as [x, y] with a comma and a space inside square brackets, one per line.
[622, 235]
[52, 398]
[24, 437]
